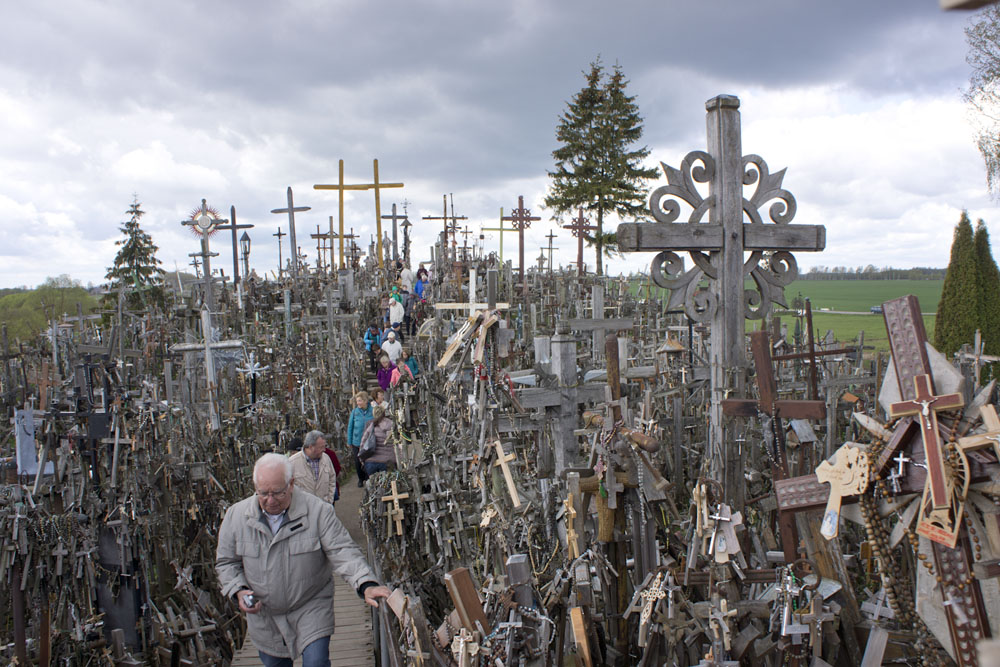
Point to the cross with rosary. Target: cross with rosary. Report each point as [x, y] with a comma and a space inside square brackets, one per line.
[579, 229]
[521, 218]
[291, 210]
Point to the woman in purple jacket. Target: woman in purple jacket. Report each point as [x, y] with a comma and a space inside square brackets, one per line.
[385, 370]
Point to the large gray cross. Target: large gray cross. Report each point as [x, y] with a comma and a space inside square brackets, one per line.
[718, 249]
[291, 210]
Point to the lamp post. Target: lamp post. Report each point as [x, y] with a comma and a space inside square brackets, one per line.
[245, 249]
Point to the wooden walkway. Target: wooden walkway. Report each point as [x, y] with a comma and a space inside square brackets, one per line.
[351, 644]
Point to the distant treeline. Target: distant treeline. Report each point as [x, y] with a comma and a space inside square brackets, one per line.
[870, 272]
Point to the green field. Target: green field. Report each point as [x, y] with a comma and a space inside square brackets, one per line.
[860, 296]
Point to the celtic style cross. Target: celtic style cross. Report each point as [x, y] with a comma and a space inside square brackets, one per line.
[579, 229]
[520, 218]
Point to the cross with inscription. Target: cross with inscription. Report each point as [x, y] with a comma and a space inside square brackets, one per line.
[291, 210]
[718, 249]
[579, 229]
[520, 218]
[926, 405]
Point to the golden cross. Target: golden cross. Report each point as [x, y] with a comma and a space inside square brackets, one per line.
[500, 229]
[341, 187]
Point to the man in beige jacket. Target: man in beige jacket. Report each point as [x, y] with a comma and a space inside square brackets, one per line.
[312, 469]
[279, 546]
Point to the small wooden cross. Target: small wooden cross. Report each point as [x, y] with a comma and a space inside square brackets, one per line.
[926, 405]
[847, 477]
[502, 460]
[396, 513]
[815, 620]
[59, 552]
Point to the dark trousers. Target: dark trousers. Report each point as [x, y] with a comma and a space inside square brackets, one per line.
[373, 358]
[358, 465]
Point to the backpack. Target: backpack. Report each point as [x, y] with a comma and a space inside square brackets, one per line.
[367, 447]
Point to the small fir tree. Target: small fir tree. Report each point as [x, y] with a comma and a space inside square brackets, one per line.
[598, 165]
[957, 317]
[136, 269]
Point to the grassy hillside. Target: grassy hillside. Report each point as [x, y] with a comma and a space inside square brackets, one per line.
[28, 312]
[860, 295]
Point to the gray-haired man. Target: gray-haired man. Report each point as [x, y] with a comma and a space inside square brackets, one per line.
[279, 546]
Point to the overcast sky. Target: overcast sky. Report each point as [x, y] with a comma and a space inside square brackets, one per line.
[234, 102]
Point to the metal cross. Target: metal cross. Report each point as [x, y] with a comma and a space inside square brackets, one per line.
[521, 219]
[291, 210]
[579, 229]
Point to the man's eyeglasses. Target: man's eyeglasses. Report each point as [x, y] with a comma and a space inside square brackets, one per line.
[273, 494]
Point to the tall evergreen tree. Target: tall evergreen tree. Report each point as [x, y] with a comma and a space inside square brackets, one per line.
[988, 278]
[598, 165]
[136, 269]
[957, 317]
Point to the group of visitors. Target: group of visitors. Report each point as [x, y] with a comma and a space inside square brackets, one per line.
[277, 547]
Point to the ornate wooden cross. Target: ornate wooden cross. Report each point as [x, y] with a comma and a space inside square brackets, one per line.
[291, 210]
[232, 226]
[579, 229]
[926, 406]
[520, 218]
[718, 249]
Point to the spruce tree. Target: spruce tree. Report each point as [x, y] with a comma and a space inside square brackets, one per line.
[957, 317]
[136, 268]
[598, 166]
[988, 279]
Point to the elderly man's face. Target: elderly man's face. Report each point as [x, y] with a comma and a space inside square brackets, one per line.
[316, 450]
[273, 494]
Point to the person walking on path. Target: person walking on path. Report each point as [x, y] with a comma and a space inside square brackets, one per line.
[391, 347]
[284, 588]
[384, 455]
[361, 414]
[373, 344]
[386, 367]
[406, 358]
[312, 470]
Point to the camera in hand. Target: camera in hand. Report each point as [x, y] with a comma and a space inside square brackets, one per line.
[249, 600]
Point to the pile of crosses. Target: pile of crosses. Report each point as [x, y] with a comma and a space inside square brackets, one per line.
[131, 431]
[587, 475]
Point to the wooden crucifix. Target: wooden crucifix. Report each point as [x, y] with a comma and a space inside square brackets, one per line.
[321, 246]
[718, 249]
[551, 235]
[769, 405]
[579, 227]
[926, 406]
[232, 226]
[280, 234]
[291, 210]
[520, 218]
